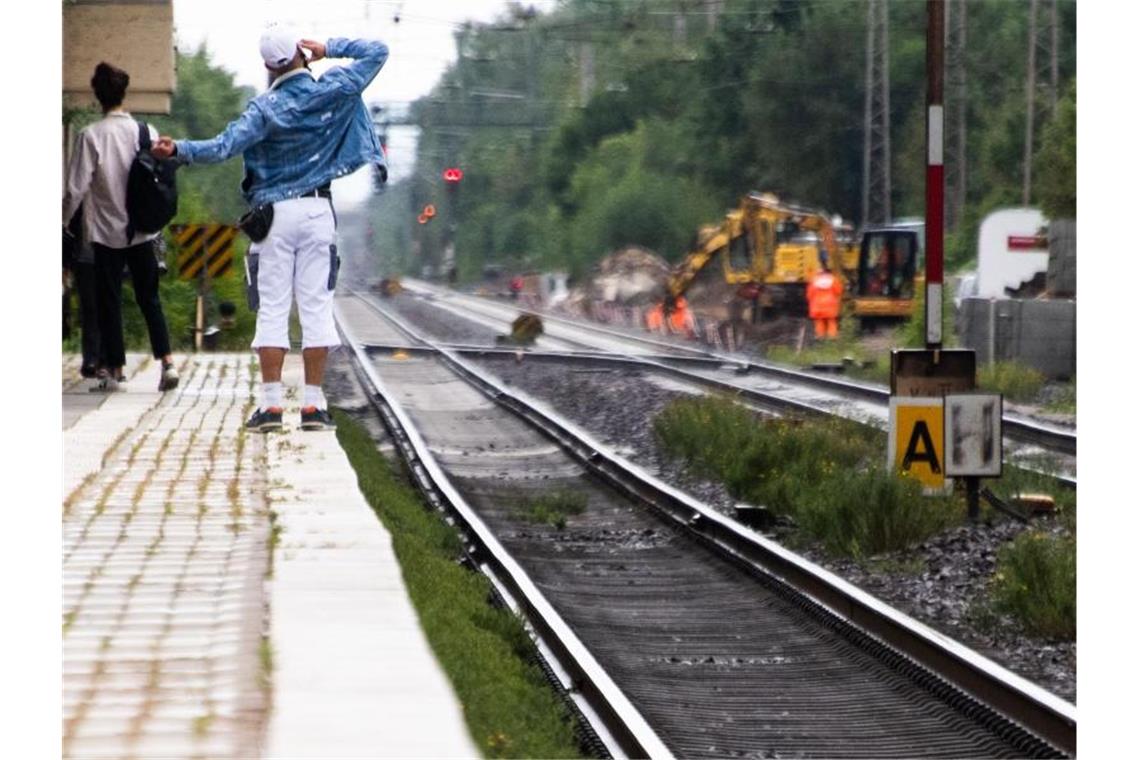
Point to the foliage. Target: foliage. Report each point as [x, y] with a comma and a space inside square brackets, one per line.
[1015, 381]
[1036, 583]
[827, 477]
[634, 125]
[1056, 162]
[508, 705]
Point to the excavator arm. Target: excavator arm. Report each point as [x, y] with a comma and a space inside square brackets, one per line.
[711, 242]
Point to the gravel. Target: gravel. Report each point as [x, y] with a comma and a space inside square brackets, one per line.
[940, 582]
[953, 568]
[439, 324]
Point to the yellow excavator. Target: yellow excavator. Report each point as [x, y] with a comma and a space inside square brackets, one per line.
[769, 247]
[890, 273]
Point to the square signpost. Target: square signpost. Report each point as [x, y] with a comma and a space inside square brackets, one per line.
[939, 427]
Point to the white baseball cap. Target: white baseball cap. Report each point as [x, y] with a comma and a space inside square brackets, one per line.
[278, 45]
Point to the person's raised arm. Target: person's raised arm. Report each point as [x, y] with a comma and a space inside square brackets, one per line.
[369, 56]
[239, 134]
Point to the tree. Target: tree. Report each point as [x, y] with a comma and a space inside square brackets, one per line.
[1055, 165]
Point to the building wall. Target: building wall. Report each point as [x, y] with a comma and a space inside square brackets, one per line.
[1039, 333]
[135, 35]
[1061, 280]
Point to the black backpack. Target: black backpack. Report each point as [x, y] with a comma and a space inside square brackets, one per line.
[152, 197]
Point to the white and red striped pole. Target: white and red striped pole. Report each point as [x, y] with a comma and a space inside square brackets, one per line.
[935, 180]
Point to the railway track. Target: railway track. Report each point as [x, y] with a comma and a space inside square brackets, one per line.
[679, 631]
[1032, 445]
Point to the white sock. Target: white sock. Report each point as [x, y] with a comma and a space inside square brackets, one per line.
[314, 397]
[271, 394]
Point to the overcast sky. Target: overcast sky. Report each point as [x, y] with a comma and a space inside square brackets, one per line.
[421, 44]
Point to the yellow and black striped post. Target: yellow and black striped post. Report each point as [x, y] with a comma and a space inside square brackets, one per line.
[204, 249]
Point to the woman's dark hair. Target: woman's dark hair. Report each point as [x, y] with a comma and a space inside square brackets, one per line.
[110, 85]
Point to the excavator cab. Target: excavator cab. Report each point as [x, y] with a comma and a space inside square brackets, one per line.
[888, 274]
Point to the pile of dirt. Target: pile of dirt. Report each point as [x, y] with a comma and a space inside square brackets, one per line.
[631, 276]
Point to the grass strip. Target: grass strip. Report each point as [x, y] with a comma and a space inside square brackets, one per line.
[511, 710]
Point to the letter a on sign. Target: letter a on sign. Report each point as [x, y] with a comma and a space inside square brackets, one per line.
[916, 440]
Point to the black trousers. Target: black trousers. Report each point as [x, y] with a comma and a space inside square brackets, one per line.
[84, 274]
[143, 266]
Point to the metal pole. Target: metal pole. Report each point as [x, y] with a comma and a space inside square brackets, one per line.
[972, 510]
[885, 82]
[1053, 69]
[1031, 99]
[935, 179]
[867, 105]
[200, 316]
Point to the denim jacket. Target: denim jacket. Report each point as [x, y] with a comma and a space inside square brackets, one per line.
[303, 132]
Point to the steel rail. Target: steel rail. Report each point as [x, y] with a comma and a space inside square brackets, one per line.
[980, 679]
[1017, 428]
[665, 365]
[622, 727]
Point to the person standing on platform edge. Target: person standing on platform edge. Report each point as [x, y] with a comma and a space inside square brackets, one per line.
[97, 178]
[824, 293]
[295, 138]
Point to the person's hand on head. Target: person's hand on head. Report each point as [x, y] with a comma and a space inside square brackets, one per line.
[317, 49]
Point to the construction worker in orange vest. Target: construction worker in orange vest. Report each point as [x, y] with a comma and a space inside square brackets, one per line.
[824, 293]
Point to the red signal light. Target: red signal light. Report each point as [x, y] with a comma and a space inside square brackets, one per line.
[452, 174]
[429, 210]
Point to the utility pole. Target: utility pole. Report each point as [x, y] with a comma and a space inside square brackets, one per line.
[679, 24]
[877, 118]
[935, 179]
[956, 150]
[713, 9]
[585, 71]
[1041, 73]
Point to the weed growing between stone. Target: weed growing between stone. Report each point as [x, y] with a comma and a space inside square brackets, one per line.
[828, 477]
[510, 709]
[1036, 583]
[549, 508]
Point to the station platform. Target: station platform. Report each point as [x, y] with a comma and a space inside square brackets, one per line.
[230, 594]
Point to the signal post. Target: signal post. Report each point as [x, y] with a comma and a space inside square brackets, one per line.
[940, 427]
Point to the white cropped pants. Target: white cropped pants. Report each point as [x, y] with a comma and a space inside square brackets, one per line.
[294, 261]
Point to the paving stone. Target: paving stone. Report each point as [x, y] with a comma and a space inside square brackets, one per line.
[147, 574]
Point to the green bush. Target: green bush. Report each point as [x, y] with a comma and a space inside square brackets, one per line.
[827, 476]
[869, 512]
[1013, 380]
[1036, 583]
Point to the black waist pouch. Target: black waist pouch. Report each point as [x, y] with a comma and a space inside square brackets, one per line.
[256, 222]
